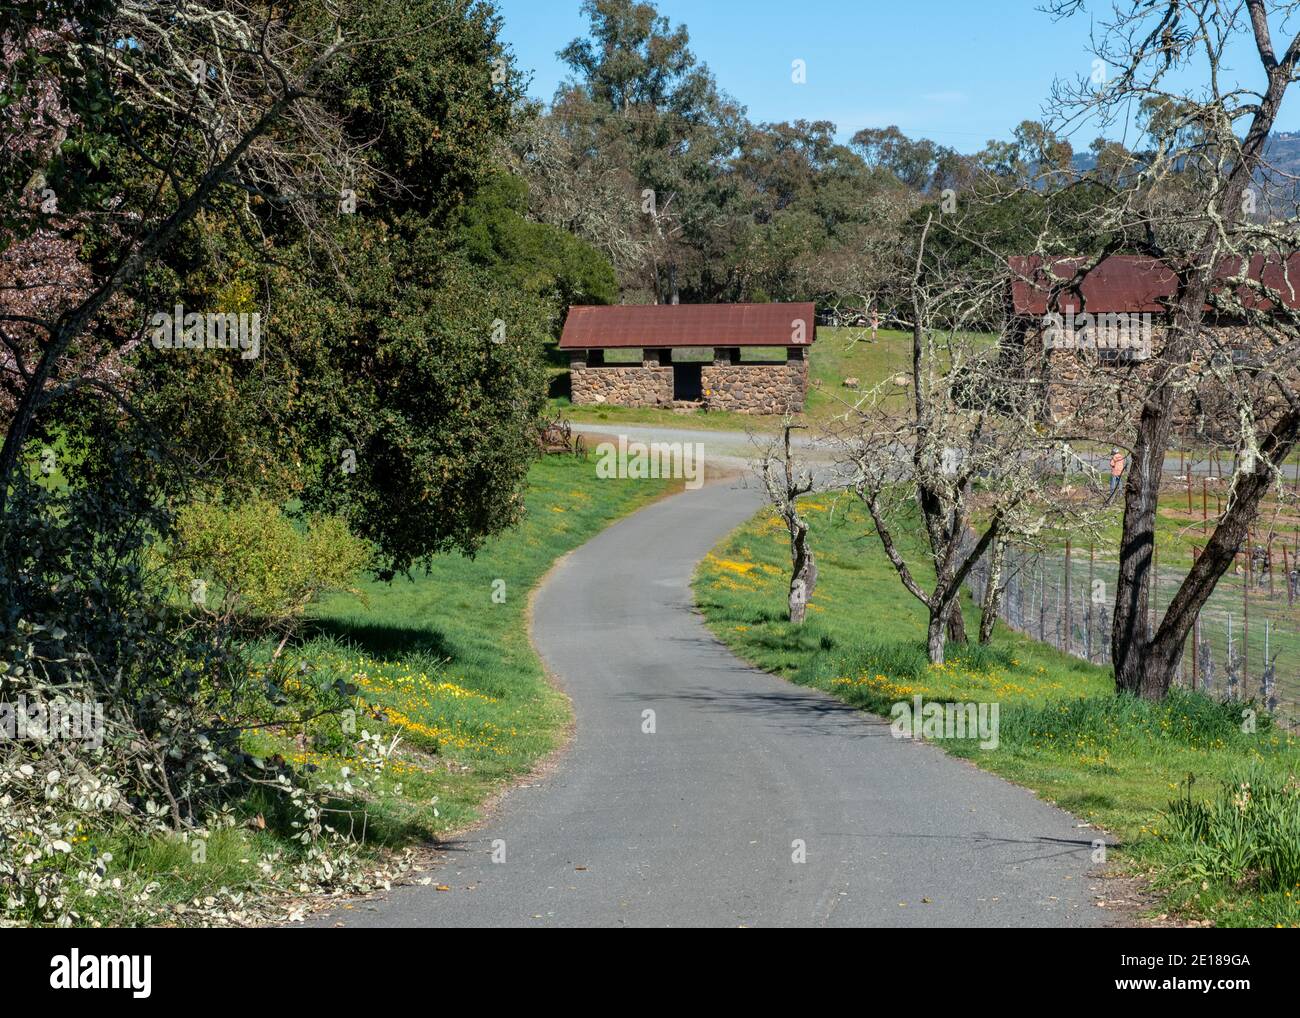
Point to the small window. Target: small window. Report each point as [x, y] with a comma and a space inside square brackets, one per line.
[1238, 356]
[1124, 355]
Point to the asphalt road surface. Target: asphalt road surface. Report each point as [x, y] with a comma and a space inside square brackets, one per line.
[699, 823]
[737, 450]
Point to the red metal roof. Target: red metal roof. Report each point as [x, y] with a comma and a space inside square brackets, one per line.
[661, 325]
[1136, 283]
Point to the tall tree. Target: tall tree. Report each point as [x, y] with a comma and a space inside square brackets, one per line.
[637, 81]
[205, 100]
[913, 162]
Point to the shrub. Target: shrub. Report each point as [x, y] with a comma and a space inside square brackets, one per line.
[253, 564]
[86, 621]
[1247, 834]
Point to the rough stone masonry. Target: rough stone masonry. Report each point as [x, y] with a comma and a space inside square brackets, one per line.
[747, 388]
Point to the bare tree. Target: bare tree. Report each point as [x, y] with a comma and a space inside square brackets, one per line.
[785, 484]
[1191, 202]
[857, 278]
[575, 184]
[957, 446]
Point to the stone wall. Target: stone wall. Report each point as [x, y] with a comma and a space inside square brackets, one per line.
[646, 384]
[747, 388]
[756, 388]
[1069, 378]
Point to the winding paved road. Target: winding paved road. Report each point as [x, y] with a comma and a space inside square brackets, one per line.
[694, 824]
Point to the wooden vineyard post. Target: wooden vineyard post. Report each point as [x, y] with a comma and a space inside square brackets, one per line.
[1069, 630]
[1196, 631]
[1092, 566]
[1245, 615]
[1155, 589]
[1042, 600]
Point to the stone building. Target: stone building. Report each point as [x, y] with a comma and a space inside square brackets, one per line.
[1111, 328]
[751, 358]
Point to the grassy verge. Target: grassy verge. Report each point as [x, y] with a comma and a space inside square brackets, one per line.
[442, 660]
[1119, 763]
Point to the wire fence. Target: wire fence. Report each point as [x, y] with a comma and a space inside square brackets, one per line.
[1245, 643]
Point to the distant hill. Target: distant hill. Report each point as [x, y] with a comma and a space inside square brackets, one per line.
[1281, 151]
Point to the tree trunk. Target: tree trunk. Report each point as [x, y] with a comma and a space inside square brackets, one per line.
[1165, 649]
[801, 590]
[992, 592]
[798, 601]
[941, 533]
[956, 622]
[1129, 638]
[934, 635]
[803, 574]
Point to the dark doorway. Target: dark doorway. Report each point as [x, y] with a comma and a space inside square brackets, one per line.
[686, 382]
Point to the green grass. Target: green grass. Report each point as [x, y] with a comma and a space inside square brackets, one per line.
[712, 420]
[1116, 762]
[438, 661]
[851, 353]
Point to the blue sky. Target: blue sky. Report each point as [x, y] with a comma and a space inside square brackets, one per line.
[957, 71]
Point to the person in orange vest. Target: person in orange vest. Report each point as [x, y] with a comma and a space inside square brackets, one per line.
[1116, 471]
